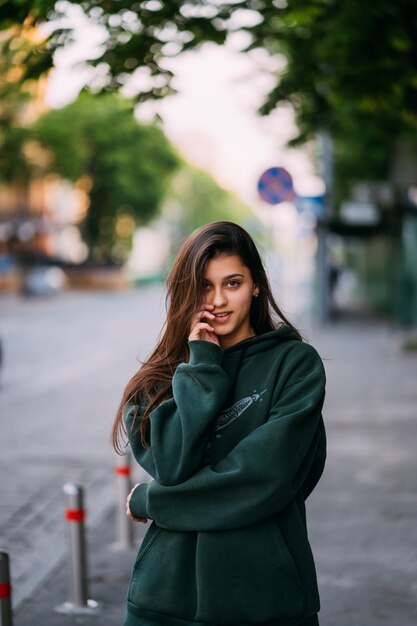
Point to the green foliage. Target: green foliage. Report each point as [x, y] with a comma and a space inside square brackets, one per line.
[343, 53]
[137, 33]
[351, 66]
[14, 165]
[126, 164]
[15, 94]
[351, 69]
[363, 150]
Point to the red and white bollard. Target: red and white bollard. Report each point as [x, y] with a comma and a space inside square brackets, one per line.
[124, 526]
[6, 618]
[75, 516]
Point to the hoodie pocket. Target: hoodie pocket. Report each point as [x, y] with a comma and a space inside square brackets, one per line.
[287, 555]
[163, 578]
[149, 539]
[225, 577]
[248, 575]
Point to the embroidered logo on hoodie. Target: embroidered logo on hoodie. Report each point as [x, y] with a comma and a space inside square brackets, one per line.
[227, 416]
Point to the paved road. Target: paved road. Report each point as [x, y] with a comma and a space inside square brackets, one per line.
[362, 517]
[66, 361]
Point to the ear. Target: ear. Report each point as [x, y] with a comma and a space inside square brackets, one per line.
[255, 293]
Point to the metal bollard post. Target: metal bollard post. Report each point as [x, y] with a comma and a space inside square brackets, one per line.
[124, 526]
[6, 618]
[75, 515]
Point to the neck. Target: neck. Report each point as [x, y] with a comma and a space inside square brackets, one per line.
[227, 342]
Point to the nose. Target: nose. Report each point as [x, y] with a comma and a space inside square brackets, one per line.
[218, 297]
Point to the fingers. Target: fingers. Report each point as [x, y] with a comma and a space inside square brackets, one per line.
[203, 330]
[128, 513]
[204, 326]
[201, 314]
[199, 329]
[131, 493]
[134, 519]
[137, 519]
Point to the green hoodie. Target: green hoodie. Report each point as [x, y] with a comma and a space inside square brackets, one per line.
[234, 454]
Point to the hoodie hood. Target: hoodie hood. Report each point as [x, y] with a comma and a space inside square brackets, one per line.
[234, 356]
[260, 343]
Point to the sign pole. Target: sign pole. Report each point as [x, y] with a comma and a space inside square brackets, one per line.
[275, 186]
[322, 261]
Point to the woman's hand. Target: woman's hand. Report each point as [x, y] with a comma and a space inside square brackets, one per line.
[202, 330]
[128, 513]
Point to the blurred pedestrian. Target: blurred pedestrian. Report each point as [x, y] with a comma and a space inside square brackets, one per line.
[225, 416]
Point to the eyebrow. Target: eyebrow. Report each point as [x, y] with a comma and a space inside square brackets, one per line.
[229, 276]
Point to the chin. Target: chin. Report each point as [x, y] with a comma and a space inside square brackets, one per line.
[223, 331]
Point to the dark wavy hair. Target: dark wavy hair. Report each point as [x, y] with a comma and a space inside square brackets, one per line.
[185, 291]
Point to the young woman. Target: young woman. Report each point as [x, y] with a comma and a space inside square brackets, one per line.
[225, 416]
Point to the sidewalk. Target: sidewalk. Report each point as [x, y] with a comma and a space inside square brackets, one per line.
[109, 571]
[362, 516]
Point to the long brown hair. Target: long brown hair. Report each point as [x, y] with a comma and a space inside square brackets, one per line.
[153, 382]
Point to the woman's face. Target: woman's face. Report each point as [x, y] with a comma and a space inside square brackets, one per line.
[229, 287]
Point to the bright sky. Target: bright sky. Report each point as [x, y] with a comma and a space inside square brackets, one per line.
[213, 120]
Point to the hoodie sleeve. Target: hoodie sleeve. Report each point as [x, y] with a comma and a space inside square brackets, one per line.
[179, 427]
[257, 478]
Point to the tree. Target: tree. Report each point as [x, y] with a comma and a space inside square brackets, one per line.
[351, 67]
[16, 45]
[138, 34]
[338, 53]
[126, 166]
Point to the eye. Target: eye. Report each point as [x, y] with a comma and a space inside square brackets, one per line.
[233, 283]
[206, 286]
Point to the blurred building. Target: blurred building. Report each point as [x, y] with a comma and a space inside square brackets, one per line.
[38, 217]
[376, 229]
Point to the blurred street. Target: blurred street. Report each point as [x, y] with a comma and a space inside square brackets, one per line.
[124, 128]
[66, 362]
[363, 513]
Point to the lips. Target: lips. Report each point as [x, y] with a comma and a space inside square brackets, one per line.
[222, 317]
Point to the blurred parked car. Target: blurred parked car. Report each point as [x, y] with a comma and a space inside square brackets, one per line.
[44, 281]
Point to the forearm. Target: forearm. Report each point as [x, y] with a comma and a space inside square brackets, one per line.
[255, 480]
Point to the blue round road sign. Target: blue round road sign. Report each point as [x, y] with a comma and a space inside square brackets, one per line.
[275, 185]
